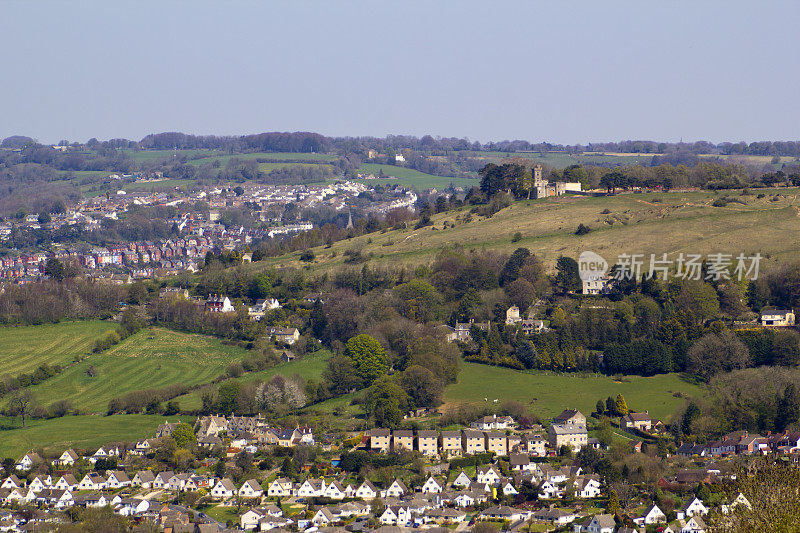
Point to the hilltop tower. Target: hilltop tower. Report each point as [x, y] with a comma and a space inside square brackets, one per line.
[537, 176]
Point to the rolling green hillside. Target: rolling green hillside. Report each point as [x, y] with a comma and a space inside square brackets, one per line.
[547, 394]
[627, 223]
[88, 431]
[24, 348]
[152, 358]
[309, 367]
[269, 156]
[411, 178]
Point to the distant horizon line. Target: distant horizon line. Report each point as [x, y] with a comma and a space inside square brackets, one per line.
[414, 136]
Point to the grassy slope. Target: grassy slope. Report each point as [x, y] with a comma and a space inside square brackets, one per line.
[152, 358]
[78, 431]
[309, 367]
[547, 394]
[412, 178]
[268, 167]
[279, 156]
[677, 222]
[22, 349]
[152, 155]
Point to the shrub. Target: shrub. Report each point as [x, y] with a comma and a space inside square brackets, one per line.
[60, 408]
[424, 220]
[720, 202]
[582, 229]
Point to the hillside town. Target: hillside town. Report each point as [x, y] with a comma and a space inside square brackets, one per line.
[494, 471]
[195, 230]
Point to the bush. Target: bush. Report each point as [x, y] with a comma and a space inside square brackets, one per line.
[173, 408]
[115, 406]
[474, 460]
[60, 408]
[307, 256]
[582, 229]
[235, 370]
[517, 237]
[424, 220]
[137, 401]
[720, 202]
[104, 343]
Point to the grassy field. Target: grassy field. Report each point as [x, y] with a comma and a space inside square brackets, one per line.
[547, 394]
[269, 156]
[268, 167]
[152, 155]
[79, 174]
[554, 159]
[753, 159]
[152, 358]
[77, 431]
[627, 223]
[24, 348]
[413, 178]
[309, 367]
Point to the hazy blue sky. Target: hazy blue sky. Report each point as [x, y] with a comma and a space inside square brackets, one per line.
[564, 71]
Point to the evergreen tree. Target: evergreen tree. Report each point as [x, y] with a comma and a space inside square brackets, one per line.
[526, 353]
[613, 503]
[690, 415]
[567, 277]
[621, 408]
[557, 360]
[600, 408]
[611, 406]
[569, 359]
[788, 411]
[219, 468]
[543, 361]
[318, 320]
[286, 467]
[485, 355]
[512, 267]
[495, 342]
